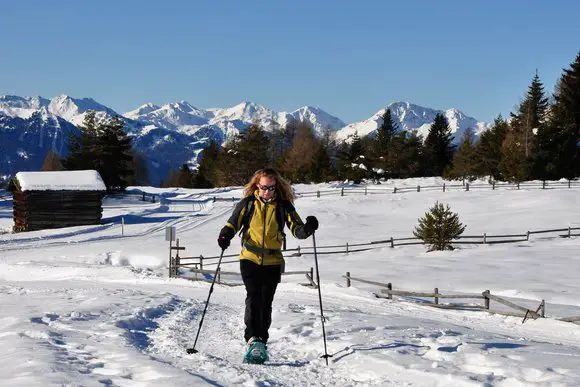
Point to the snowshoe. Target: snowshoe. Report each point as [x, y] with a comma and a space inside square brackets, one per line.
[257, 352]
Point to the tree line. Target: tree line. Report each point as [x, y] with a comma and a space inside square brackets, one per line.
[540, 140]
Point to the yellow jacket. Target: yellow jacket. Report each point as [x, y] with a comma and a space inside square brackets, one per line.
[262, 240]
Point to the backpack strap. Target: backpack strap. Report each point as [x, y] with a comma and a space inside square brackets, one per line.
[247, 217]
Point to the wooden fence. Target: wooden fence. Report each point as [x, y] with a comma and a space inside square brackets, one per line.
[202, 261]
[387, 291]
[195, 265]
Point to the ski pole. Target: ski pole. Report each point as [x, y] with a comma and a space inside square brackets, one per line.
[326, 355]
[192, 349]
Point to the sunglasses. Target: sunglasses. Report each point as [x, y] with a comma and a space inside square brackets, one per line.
[267, 187]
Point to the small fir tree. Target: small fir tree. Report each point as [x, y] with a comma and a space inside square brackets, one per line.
[439, 227]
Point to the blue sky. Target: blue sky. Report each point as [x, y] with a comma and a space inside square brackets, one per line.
[349, 58]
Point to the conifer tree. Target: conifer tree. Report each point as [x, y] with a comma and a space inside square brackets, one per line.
[185, 177]
[463, 166]
[488, 149]
[115, 154]
[439, 227]
[351, 160]
[514, 165]
[438, 147]
[205, 176]
[321, 169]
[531, 114]
[565, 122]
[82, 148]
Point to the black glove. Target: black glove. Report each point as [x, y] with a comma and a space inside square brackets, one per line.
[226, 235]
[311, 225]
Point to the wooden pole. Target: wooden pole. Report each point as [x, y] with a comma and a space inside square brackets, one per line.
[392, 242]
[485, 293]
[390, 287]
[436, 298]
[348, 279]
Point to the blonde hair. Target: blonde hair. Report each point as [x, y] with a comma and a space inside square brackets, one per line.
[283, 187]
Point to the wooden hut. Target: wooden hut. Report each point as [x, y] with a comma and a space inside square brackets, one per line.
[54, 199]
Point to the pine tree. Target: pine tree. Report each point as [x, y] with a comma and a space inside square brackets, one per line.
[518, 146]
[439, 227]
[321, 169]
[514, 164]
[463, 166]
[488, 149]
[351, 160]
[185, 177]
[565, 122]
[438, 147]
[82, 148]
[205, 176]
[531, 115]
[383, 148]
[115, 155]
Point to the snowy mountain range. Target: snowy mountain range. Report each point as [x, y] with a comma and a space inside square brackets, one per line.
[174, 133]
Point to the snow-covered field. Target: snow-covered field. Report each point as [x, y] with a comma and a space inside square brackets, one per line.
[93, 305]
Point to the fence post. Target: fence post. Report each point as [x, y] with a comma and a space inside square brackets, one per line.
[543, 309]
[214, 199]
[493, 185]
[390, 287]
[347, 247]
[176, 259]
[312, 276]
[543, 184]
[365, 191]
[467, 186]
[392, 242]
[153, 199]
[170, 259]
[568, 183]
[418, 188]
[443, 187]
[317, 194]
[484, 238]
[201, 263]
[486, 299]
[528, 236]
[394, 189]
[518, 185]
[342, 191]
[143, 197]
[436, 298]
[569, 232]
[348, 279]
[299, 254]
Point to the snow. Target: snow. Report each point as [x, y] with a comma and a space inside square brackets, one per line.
[88, 180]
[93, 305]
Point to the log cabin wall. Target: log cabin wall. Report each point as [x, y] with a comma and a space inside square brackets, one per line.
[38, 210]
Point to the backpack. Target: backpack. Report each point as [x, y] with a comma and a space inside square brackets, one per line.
[281, 212]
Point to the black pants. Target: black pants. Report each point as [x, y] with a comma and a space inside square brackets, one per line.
[261, 283]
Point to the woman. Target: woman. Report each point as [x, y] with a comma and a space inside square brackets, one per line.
[260, 217]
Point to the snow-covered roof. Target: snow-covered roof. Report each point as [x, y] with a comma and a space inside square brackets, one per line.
[89, 180]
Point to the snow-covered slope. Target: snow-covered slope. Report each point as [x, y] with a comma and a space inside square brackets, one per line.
[93, 305]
